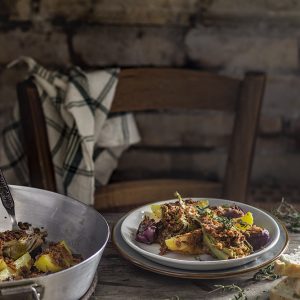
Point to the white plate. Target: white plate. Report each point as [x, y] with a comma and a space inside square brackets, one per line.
[144, 263]
[188, 262]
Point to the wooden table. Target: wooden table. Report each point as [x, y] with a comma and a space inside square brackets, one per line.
[120, 279]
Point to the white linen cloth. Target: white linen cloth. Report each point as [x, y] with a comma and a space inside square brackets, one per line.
[85, 139]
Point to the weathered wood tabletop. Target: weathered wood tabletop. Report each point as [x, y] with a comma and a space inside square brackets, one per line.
[120, 279]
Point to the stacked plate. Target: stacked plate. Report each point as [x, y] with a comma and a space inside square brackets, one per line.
[204, 266]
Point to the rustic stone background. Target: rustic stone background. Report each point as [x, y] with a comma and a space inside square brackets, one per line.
[226, 36]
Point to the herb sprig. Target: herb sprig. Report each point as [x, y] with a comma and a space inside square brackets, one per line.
[289, 215]
[227, 223]
[266, 273]
[233, 288]
[205, 211]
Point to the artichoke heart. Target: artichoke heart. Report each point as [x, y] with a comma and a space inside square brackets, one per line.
[210, 243]
[224, 252]
[17, 247]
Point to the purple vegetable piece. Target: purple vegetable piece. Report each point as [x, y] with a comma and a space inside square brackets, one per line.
[258, 239]
[233, 212]
[147, 231]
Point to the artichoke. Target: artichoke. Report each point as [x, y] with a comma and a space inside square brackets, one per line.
[210, 242]
[15, 248]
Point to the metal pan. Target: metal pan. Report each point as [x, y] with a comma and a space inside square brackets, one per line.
[82, 227]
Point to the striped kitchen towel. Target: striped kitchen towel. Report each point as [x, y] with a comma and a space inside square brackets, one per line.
[85, 139]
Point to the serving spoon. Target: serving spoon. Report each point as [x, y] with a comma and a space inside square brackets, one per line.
[8, 201]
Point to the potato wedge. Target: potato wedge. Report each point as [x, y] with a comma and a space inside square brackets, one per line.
[156, 211]
[54, 259]
[3, 264]
[188, 243]
[25, 261]
[245, 222]
[46, 263]
[201, 203]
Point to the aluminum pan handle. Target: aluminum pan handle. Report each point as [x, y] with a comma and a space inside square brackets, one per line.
[33, 288]
[6, 197]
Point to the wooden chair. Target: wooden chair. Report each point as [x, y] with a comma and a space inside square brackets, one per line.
[145, 89]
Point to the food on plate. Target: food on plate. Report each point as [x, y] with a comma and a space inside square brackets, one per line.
[25, 253]
[195, 227]
[147, 231]
[257, 237]
[186, 243]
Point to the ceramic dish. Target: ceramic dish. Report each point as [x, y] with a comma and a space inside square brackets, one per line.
[139, 260]
[190, 262]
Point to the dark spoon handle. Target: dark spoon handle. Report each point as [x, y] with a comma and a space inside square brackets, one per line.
[6, 197]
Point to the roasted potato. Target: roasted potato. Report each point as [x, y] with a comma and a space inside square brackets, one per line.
[188, 243]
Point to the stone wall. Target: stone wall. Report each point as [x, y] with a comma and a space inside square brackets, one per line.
[225, 36]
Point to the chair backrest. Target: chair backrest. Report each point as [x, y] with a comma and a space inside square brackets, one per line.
[142, 89]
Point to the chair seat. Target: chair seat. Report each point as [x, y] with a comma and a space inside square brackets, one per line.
[139, 192]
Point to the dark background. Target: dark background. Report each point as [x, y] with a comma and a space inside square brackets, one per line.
[229, 37]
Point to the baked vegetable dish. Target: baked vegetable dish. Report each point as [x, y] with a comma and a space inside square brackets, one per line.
[195, 227]
[25, 253]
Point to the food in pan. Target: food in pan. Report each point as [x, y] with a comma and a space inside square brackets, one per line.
[25, 253]
[195, 227]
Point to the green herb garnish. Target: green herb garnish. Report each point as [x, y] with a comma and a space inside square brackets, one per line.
[227, 223]
[204, 211]
[266, 273]
[233, 288]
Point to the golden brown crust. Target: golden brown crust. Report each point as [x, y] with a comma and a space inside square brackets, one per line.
[284, 290]
[287, 269]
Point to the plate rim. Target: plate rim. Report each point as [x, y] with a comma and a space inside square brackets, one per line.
[180, 263]
[194, 274]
